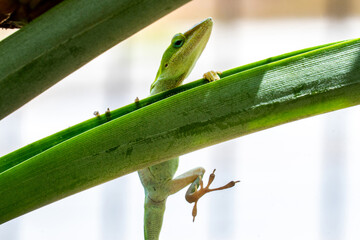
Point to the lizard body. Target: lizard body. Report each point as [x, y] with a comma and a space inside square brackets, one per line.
[158, 180]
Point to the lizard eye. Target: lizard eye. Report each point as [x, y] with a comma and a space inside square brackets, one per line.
[178, 43]
[178, 40]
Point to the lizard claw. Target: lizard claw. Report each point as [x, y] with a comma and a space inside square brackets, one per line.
[193, 194]
[212, 76]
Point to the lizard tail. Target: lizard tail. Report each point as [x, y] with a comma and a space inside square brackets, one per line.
[153, 218]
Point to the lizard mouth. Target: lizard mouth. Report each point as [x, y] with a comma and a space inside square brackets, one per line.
[205, 24]
[198, 36]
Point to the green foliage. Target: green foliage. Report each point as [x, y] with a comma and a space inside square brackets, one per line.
[65, 38]
[247, 99]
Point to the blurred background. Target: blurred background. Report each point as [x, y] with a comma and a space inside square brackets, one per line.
[298, 181]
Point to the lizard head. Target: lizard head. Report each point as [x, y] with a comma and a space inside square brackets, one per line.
[180, 57]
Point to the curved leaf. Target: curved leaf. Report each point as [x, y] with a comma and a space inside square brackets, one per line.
[245, 100]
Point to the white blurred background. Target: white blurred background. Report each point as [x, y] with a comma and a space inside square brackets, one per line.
[298, 181]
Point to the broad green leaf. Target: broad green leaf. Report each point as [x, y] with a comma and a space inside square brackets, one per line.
[247, 99]
[65, 38]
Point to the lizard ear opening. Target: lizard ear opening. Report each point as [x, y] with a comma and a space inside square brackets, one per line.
[178, 40]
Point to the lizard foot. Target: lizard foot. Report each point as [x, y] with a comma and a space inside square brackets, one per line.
[193, 194]
[212, 76]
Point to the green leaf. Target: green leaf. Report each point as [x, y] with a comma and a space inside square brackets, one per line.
[65, 38]
[247, 99]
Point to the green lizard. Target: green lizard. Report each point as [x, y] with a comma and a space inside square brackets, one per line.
[176, 64]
